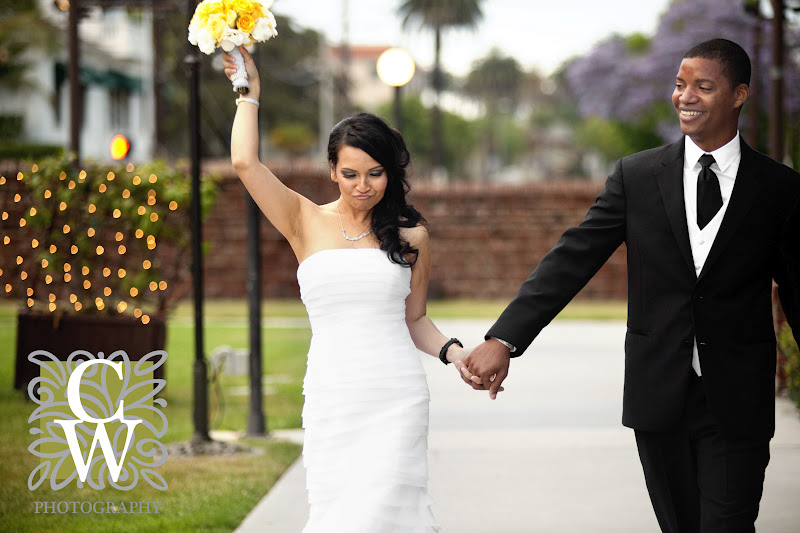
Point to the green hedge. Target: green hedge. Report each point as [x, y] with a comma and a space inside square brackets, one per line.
[87, 240]
[10, 126]
[22, 151]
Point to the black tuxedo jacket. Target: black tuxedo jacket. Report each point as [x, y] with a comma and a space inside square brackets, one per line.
[727, 307]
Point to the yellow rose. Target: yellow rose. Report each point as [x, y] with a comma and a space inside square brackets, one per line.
[231, 20]
[201, 13]
[256, 12]
[246, 23]
[216, 26]
[215, 7]
[235, 5]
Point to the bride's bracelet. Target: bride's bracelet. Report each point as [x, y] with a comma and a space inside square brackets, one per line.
[248, 100]
[443, 351]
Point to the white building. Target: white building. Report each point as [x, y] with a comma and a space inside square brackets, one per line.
[116, 60]
[367, 91]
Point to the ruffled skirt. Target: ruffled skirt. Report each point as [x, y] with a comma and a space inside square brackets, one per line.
[366, 436]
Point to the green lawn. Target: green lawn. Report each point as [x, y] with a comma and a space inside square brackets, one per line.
[205, 493]
[488, 309]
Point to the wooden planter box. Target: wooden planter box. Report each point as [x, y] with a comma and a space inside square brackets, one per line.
[91, 333]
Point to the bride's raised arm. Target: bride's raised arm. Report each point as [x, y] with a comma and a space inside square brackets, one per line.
[283, 207]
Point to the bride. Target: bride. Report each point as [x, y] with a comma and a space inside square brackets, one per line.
[364, 265]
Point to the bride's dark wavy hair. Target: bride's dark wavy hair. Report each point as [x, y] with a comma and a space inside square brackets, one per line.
[386, 146]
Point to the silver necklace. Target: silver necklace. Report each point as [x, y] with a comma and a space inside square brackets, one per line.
[341, 224]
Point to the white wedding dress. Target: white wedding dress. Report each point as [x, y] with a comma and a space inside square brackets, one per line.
[366, 398]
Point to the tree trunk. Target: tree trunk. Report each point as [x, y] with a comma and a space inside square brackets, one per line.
[776, 75]
[436, 117]
[755, 86]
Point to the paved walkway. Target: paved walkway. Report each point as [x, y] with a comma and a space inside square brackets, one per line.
[549, 455]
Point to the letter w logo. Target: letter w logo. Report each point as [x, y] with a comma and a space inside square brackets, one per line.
[100, 434]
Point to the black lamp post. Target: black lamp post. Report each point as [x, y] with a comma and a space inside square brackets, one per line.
[200, 407]
[256, 417]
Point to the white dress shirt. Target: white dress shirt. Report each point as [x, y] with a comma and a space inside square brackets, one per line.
[726, 167]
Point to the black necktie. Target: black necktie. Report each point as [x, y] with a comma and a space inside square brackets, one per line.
[709, 199]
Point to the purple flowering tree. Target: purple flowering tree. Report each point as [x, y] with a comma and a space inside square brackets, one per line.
[631, 79]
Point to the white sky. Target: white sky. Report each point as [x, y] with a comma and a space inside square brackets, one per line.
[539, 33]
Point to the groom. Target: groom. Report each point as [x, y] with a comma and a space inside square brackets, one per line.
[708, 223]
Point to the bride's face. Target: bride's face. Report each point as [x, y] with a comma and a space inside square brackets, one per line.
[362, 180]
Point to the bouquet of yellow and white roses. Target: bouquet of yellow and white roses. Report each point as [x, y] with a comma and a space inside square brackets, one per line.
[227, 24]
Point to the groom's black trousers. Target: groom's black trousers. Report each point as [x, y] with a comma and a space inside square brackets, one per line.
[699, 480]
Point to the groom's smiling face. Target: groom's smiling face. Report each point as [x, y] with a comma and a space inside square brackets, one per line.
[707, 103]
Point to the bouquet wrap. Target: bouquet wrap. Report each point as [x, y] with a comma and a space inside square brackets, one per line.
[239, 79]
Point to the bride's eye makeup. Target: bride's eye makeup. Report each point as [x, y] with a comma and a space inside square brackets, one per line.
[377, 173]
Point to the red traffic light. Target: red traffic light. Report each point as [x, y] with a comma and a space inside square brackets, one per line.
[119, 147]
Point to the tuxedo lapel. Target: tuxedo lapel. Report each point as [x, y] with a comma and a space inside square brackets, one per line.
[670, 185]
[745, 190]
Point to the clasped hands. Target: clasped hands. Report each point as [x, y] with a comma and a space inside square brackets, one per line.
[486, 367]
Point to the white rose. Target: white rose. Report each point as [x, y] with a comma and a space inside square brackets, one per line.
[273, 25]
[267, 3]
[206, 42]
[194, 28]
[264, 29]
[232, 38]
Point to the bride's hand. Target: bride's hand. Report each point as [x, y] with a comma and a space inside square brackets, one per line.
[457, 356]
[250, 66]
[457, 353]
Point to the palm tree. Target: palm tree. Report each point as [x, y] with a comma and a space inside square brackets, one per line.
[21, 28]
[495, 79]
[439, 15]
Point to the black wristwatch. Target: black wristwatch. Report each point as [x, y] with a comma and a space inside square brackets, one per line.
[443, 351]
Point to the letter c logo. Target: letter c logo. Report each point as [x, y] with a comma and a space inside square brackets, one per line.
[74, 391]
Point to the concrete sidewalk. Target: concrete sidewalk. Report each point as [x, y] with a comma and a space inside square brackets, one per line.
[550, 454]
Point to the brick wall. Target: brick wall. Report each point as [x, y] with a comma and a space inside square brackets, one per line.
[485, 240]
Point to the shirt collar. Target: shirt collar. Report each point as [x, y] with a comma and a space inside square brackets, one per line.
[724, 155]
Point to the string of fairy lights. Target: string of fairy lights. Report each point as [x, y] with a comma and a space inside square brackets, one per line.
[84, 244]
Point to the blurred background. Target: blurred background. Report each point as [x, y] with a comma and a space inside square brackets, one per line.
[514, 112]
[502, 92]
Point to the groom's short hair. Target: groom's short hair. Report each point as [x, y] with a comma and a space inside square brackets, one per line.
[733, 60]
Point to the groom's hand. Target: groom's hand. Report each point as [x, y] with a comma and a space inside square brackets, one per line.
[486, 367]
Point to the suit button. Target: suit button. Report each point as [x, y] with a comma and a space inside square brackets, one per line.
[701, 297]
[703, 344]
